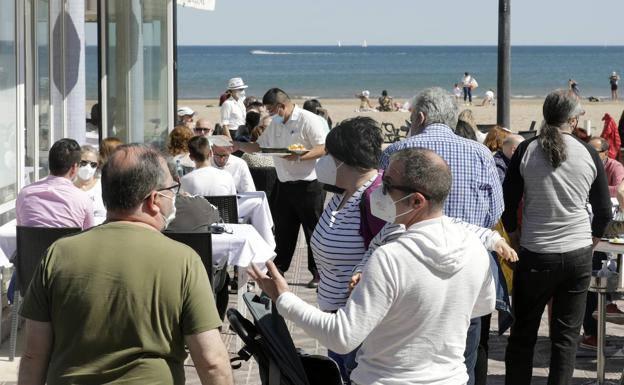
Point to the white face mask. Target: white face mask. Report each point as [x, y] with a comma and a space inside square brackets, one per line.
[169, 218]
[383, 207]
[86, 172]
[326, 170]
[241, 94]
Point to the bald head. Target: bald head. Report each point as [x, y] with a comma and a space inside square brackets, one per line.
[601, 146]
[426, 172]
[510, 143]
[131, 173]
[203, 127]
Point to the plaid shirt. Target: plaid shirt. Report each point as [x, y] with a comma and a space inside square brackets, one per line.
[476, 195]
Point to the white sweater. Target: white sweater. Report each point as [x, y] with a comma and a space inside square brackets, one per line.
[412, 309]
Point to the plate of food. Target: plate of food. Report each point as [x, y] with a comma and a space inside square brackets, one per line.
[617, 241]
[298, 149]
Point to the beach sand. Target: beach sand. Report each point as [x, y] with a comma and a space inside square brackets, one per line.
[523, 111]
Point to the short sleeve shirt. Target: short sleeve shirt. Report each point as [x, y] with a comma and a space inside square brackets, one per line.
[120, 299]
[233, 112]
[304, 128]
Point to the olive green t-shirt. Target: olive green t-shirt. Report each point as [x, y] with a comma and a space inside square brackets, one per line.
[120, 298]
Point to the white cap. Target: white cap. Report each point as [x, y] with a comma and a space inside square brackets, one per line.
[183, 111]
[236, 84]
[366, 93]
[614, 73]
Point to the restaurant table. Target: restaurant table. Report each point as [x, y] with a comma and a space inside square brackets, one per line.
[253, 207]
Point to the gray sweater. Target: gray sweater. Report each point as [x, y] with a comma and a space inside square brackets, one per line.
[555, 218]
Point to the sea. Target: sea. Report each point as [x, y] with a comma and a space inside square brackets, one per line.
[341, 72]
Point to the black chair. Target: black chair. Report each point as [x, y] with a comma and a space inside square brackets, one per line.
[527, 134]
[532, 127]
[264, 179]
[32, 243]
[201, 243]
[485, 128]
[391, 133]
[227, 205]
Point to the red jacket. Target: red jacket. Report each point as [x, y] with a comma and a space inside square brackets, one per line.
[610, 134]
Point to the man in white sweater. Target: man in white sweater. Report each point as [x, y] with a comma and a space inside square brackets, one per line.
[400, 311]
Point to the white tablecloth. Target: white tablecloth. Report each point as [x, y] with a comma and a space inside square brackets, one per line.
[253, 207]
[241, 248]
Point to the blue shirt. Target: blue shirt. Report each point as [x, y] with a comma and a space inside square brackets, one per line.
[476, 195]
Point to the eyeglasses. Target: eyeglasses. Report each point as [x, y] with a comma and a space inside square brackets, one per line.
[386, 187]
[221, 156]
[86, 162]
[202, 130]
[175, 189]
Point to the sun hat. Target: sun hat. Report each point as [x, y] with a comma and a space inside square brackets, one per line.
[183, 111]
[366, 93]
[236, 84]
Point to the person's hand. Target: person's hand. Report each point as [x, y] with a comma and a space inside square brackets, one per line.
[275, 285]
[355, 279]
[505, 251]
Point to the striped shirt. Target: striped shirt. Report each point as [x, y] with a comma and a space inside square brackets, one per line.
[476, 195]
[338, 247]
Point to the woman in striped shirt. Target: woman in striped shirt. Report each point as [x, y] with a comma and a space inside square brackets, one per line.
[350, 166]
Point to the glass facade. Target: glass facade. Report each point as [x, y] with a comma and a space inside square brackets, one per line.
[42, 38]
[136, 51]
[8, 106]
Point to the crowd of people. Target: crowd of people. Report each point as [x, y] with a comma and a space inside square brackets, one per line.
[441, 205]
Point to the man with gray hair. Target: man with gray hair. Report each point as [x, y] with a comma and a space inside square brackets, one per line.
[118, 303]
[406, 331]
[476, 195]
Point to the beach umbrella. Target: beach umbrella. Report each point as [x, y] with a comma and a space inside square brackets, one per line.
[206, 5]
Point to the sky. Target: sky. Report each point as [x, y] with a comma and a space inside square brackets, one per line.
[401, 22]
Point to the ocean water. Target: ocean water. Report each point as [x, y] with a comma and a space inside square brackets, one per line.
[341, 72]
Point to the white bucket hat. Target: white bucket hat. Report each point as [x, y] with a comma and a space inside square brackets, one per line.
[236, 84]
[366, 93]
[183, 111]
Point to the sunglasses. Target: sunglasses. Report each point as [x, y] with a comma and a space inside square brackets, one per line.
[386, 187]
[202, 130]
[86, 162]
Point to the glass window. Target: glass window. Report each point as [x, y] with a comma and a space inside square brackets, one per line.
[43, 75]
[8, 104]
[136, 63]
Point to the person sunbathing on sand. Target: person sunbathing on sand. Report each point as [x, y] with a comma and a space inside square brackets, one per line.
[365, 104]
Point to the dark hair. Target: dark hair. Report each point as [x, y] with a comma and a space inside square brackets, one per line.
[219, 129]
[274, 96]
[129, 175]
[249, 100]
[312, 105]
[252, 119]
[559, 107]
[465, 130]
[466, 73]
[356, 142]
[426, 172]
[63, 155]
[199, 148]
[384, 93]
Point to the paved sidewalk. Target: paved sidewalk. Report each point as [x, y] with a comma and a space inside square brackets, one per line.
[298, 277]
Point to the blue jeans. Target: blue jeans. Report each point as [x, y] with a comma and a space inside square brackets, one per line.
[468, 94]
[472, 348]
[346, 363]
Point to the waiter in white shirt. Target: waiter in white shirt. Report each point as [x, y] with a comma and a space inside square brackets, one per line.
[299, 196]
[233, 110]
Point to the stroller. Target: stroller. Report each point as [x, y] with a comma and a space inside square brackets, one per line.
[270, 344]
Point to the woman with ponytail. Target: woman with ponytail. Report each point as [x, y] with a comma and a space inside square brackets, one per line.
[555, 175]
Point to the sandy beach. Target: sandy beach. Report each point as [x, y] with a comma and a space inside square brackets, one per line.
[523, 112]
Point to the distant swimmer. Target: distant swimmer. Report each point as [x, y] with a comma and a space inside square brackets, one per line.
[613, 80]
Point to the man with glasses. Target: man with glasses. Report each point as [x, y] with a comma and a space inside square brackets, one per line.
[476, 195]
[203, 127]
[406, 333]
[54, 201]
[223, 160]
[299, 196]
[118, 304]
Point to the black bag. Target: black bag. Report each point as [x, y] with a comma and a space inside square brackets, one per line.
[269, 342]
